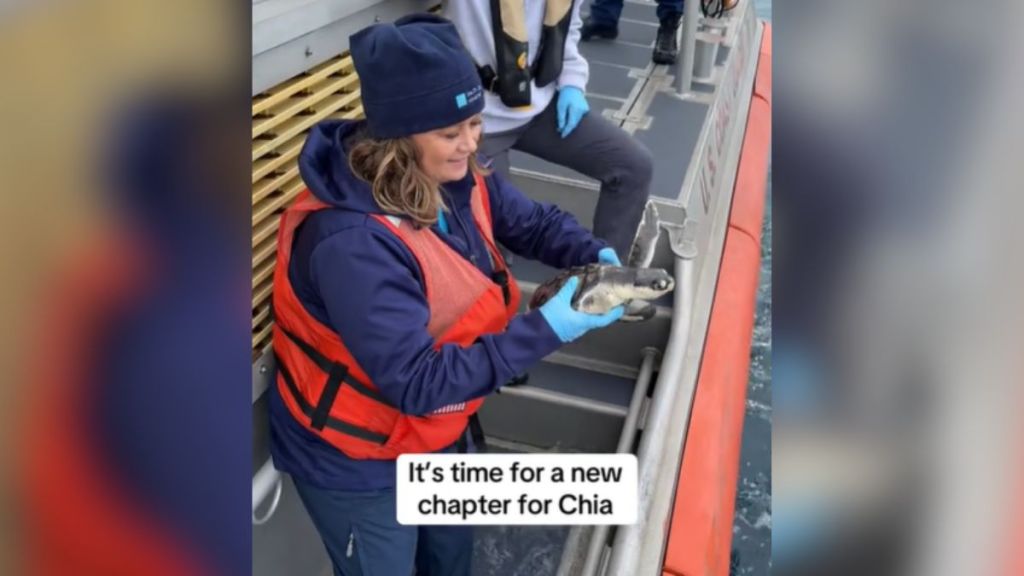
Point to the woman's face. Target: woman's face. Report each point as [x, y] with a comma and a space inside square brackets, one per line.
[444, 153]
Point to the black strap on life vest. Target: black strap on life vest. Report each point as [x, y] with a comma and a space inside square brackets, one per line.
[328, 366]
[328, 421]
[500, 277]
[330, 392]
[337, 374]
[505, 78]
[510, 82]
[476, 431]
[492, 82]
[547, 66]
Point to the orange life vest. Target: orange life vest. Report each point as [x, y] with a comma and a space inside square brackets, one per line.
[322, 383]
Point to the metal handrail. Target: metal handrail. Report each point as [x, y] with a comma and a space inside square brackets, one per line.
[266, 480]
[562, 399]
[595, 551]
[629, 539]
[639, 549]
[688, 47]
[626, 437]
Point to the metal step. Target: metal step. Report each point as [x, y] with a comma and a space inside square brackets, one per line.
[585, 545]
[563, 409]
[550, 550]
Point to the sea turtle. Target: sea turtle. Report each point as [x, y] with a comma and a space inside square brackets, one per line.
[603, 287]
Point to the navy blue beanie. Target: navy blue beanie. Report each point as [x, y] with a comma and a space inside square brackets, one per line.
[415, 76]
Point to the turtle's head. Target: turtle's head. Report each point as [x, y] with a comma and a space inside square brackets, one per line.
[651, 283]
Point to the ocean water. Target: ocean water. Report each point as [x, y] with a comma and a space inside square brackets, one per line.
[752, 524]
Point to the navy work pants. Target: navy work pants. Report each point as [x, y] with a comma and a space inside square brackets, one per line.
[363, 537]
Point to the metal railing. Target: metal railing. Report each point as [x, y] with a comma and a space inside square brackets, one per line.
[268, 480]
[596, 548]
[652, 443]
[626, 437]
[687, 48]
[566, 400]
[629, 539]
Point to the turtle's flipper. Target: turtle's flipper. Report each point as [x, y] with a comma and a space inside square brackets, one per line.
[646, 241]
[638, 311]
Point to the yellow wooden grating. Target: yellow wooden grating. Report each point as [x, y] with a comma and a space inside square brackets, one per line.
[263, 251]
[281, 132]
[266, 271]
[281, 156]
[267, 186]
[277, 200]
[264, 231]
[281, 119]
[303, 104]
[261, 293]
[260, 317]
[261, 338]
[336, 67]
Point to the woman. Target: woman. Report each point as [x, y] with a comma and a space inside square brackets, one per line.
[395, 313]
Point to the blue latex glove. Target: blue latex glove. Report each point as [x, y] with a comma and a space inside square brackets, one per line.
[608, 256]
[572, 107]
[570, 324]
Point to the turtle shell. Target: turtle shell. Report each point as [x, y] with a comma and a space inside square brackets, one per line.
[547, 290]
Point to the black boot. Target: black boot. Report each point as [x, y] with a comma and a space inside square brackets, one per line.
[666, 46]
[593, 29]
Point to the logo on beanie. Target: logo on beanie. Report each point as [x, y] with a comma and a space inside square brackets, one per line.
[463, 99]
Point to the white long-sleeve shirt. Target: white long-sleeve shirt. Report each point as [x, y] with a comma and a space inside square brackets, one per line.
[473, 20]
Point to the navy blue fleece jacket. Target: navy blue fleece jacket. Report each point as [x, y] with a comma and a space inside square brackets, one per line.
[356, 277]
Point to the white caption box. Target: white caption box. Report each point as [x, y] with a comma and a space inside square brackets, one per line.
[517, 489]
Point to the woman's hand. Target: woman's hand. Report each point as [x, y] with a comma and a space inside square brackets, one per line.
[608, 256]
[570, 324]
[572, 107]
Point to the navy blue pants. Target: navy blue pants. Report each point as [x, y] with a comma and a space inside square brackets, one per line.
[608, 11]
[363, 536]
